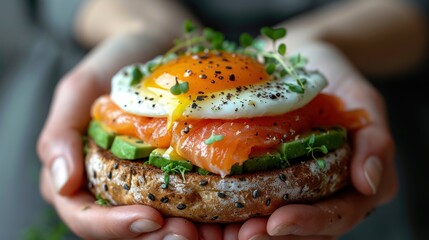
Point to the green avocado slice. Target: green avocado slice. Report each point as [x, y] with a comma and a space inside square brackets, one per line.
[158, 158]
[332, 138]
[130, 148]
[100, 134]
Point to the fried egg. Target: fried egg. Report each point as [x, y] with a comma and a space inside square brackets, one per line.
[219, 85]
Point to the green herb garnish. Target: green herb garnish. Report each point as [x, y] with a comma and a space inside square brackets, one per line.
[311, 149]
[298, 61]
[282, 49]
[189, 26]
[213, 138]
[179, 88]
[100, 201]
[246, 40]
[136, 76]
[172, 169]
[274, 33]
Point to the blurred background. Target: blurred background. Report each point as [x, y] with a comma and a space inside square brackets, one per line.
[36, 49]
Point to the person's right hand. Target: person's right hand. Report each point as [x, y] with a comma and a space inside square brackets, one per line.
[61, 152]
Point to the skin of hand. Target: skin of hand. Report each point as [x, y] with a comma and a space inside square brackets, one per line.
[60, 150]
[373, 172]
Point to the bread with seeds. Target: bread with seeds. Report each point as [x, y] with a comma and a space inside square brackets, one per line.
[210, 198]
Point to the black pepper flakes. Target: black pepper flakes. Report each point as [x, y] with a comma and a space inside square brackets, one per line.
[255, 193]
[203, 182]
[232, 77]
[228, 67]
[105, 187]
[194, 105]
[151, 197]
[165, 199]
[94, 174]
[186, 130]
[181, 206]
[115, 165]
[221, 195]
[201, 98]
[109, 175]
[126, 187]
[239, 205]
[203, 76]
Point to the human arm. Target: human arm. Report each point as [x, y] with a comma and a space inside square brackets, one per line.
[60, 145]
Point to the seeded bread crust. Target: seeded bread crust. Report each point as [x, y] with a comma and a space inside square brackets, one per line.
[209, 198]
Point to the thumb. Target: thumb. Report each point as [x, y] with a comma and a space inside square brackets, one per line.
[60, 145]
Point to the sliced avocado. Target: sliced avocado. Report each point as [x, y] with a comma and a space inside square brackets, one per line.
[332, 138]
[237, 169]
[161, 157]
[126, 147]
[261, 162]
[202, 171]
[102, 136]
[267, 161]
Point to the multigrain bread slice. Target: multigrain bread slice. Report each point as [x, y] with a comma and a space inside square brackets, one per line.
[210, 198]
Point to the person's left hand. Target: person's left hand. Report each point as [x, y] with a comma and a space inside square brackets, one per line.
[373, 172]
[60, 150]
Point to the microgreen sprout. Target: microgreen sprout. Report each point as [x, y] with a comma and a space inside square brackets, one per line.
[213, 138]
[100, 201]
[179, 88]
[246, 40]
[274, 34]
[311, 149]
[189, 26]
[136, 76]
[172, 169]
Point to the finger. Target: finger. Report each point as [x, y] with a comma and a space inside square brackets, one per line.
[254, 228]
[174, 229]
[373, 145]
[60, 143]
[90, 221]
[332, 217]
[231, 231]
[208, 231]
[373, 160]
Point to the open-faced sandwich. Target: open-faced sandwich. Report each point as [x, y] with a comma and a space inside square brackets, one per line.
[218, 133]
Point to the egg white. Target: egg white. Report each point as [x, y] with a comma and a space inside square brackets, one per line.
[267, 99]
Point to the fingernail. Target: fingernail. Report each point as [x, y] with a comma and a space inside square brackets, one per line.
[59, 172]
[174, 237]
[282, 230]
[260, 237]
[373, 170]
[144, 225]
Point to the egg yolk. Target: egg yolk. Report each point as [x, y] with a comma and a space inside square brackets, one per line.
[205, 73]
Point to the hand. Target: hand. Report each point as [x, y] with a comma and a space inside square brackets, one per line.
[373, 172]
[60, 150]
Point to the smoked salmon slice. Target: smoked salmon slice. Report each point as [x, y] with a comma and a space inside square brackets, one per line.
[239, 137]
